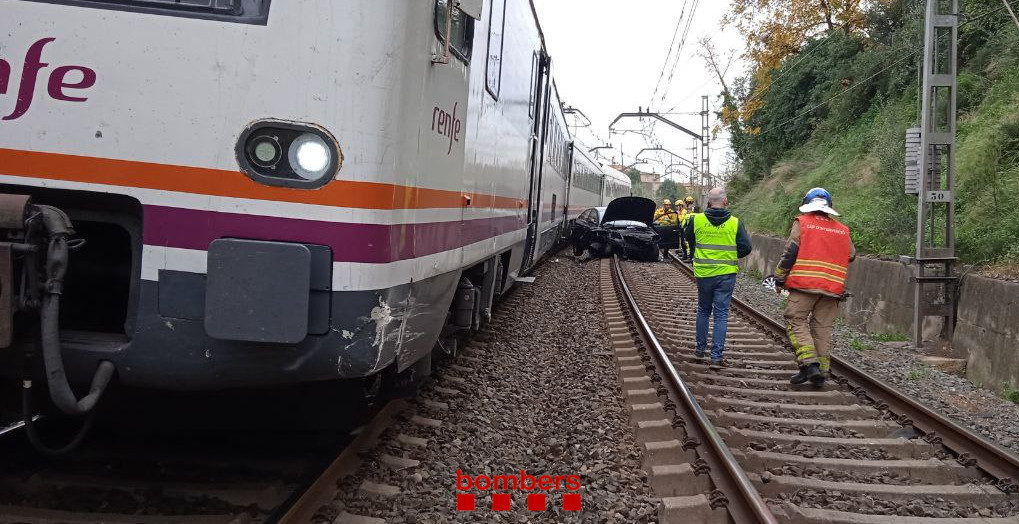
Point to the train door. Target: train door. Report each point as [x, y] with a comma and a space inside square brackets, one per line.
[539, 116]
[568, 190]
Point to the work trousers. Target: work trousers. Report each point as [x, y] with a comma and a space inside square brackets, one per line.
[809, 319]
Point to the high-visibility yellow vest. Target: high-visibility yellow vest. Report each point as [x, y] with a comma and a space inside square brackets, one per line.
[715, 251]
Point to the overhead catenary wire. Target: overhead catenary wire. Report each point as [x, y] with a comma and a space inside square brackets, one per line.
[668, 56]
[679, 50]
[688, 18]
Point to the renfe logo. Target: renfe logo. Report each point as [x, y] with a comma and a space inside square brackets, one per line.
[57, 86]
[447, 125]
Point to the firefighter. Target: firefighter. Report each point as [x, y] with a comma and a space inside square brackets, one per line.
[666, 215]
[683, 215]
[813, 269]
[685, 247]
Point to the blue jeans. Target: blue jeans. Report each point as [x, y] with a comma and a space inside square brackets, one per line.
[714, 293]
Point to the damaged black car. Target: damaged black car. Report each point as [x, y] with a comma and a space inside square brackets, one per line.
[623, 227]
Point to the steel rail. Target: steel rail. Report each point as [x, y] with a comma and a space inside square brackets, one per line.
[744, 501]
[323, 488]
[990, 457]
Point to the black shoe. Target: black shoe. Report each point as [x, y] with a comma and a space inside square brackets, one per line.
[819, 381]
[809, 372]
[699, 353]
[717, 365]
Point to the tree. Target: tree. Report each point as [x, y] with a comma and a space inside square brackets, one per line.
[671, 190]
[774, 31]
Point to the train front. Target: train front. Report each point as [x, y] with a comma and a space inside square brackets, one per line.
[210, 194]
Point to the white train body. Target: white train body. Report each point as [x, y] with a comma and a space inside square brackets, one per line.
[137, 119]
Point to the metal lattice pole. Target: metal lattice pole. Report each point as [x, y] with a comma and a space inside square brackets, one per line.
[935, 287]
[705, 138]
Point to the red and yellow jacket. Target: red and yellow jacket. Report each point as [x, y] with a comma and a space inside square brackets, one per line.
[819, 257]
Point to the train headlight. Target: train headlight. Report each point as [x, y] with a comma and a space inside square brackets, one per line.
[309, 156]
[288, 154]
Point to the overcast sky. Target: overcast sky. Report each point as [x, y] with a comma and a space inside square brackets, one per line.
[607, 58]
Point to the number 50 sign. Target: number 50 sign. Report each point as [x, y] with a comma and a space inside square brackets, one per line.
[939, 196]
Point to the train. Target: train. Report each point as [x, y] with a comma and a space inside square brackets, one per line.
[209, 195]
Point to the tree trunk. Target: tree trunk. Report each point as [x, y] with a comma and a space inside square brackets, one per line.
[827, 15]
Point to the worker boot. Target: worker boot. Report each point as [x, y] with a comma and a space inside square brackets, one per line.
[808, 372]
[818, 381]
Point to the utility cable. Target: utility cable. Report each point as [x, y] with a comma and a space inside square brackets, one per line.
[679, 50]
[787, 70]
[672, 46]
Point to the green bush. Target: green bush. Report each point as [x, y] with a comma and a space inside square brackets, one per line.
[1009, 392]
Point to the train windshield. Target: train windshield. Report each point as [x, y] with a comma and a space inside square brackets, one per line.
[245, 11]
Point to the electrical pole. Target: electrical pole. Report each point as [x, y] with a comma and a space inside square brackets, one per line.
[936, 284]
[705, 137]
[693, 168]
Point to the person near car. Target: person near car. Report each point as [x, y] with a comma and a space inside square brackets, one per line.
[683, 215]
[813, 269]
[694, 210]
[718, 240]
[666, 215]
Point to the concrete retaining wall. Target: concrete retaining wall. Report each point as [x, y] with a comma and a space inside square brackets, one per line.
[987, 328]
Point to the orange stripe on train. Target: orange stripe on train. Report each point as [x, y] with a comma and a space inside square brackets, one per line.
[234, 184]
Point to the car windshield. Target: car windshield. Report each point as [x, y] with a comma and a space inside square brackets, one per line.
[624, 223]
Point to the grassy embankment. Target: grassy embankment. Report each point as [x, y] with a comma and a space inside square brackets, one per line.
[860, 158]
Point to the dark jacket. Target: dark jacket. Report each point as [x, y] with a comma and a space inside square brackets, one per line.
[718, 216]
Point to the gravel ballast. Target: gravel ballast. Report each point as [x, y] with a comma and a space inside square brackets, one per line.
[899, 364]
[542, 397]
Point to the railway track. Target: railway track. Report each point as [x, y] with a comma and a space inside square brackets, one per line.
[227, 478]
[742, 444]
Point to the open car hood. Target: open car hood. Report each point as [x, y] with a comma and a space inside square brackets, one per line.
[630, 208]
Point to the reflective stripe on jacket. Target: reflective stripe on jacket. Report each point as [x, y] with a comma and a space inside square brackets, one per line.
[665, 217]
[822, 262]
[715, 251]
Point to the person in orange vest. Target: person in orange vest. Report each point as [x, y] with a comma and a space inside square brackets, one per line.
[813, 269]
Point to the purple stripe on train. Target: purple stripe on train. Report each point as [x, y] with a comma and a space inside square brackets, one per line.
[370, 243]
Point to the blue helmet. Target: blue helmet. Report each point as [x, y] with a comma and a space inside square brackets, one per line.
[817, 192]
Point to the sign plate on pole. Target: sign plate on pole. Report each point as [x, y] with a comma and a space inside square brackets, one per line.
[939, 196]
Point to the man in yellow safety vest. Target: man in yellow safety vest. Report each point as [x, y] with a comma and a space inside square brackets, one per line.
[718, 240]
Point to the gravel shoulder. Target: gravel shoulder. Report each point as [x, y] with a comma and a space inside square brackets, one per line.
[899, 364]
[542, 397]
